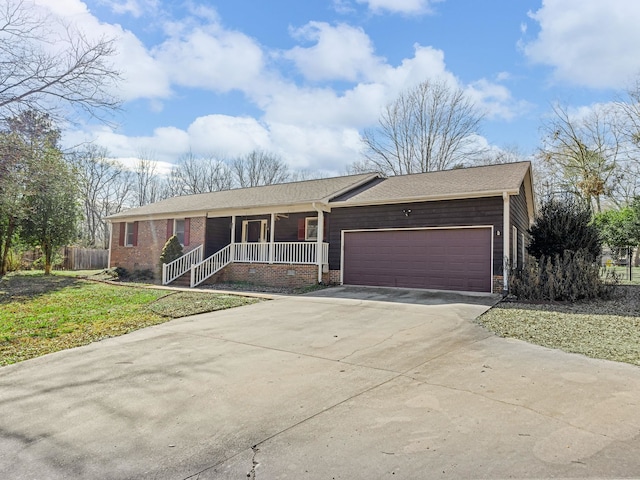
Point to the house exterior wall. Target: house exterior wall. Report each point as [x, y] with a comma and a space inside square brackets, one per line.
[445, 213]
[276, 275]
[520, 219]
[152, 235]
[218, 234]
[286, 229]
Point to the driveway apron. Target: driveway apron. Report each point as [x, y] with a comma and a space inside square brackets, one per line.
[344, 383]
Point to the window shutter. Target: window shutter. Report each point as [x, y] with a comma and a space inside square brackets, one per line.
[325, 228]
[123, 226]
[301, 229]
[187, 231]
[135, 234]
[169, 228]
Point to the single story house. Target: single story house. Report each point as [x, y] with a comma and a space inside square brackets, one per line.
[448, 230]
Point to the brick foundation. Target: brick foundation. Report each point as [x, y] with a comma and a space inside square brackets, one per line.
[498, 284]
[277, 275]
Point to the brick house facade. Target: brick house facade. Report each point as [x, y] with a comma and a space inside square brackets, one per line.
[151, 235]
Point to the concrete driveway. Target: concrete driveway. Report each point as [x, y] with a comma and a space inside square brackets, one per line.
[344, 384]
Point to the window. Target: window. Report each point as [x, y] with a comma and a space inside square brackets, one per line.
[178, 230]
[311, 228]
[129, 236]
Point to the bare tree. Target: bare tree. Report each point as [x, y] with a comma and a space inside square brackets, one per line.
[429, 127]
[148, 184]
[49, 65]
[199, 175]
[581, 153]
[105, 187]
[628, 125]
[259, 168]
[497, 156]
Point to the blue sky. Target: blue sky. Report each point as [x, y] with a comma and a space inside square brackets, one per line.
[303, 78]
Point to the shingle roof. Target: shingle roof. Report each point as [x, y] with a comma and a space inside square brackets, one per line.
[457, 183]
[349, 190]
[282, 194]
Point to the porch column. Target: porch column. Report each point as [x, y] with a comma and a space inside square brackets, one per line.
[319, 243]
[272, 235]
[506, 231]
[233, 237]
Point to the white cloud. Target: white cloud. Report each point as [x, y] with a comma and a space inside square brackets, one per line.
[340, 52]
[227, 135]
[210, 57]
[495, 100]
[588, 42]
[135, 8]
[142, 76]
[166, 144]
[399, 6]
[358, 106]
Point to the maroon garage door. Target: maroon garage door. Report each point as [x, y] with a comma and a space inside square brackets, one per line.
[441, 259]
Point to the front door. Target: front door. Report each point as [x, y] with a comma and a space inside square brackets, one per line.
[254, 231]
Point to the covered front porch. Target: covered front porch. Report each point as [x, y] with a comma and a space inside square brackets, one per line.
[291, 236]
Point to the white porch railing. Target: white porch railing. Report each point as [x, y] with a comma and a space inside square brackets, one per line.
[283, 252]
[301, 253]
[204, 269]
[251, 252]
[180, 266]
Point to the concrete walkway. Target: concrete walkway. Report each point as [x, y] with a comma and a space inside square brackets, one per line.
[344, 383]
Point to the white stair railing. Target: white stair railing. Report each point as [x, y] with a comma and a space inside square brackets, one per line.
[216, 262]
[180, 266]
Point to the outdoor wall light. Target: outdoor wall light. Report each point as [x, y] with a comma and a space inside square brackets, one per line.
[406, 212]
[498, 233]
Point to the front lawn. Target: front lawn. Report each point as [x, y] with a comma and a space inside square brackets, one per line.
[42, 314]
[601, 329]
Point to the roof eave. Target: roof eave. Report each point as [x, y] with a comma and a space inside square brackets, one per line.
[430, 198]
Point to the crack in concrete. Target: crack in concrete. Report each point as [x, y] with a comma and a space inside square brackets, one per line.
[254, 463]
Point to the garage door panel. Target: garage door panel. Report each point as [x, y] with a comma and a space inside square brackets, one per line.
[446, 259]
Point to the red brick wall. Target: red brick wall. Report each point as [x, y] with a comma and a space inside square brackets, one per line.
[498, 284]
[278, 275]
[152, 235]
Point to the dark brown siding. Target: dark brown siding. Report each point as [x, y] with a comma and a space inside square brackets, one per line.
[218, 235]
[465, 212]
[520, 219]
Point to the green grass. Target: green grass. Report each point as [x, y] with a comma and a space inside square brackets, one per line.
[42, 314]
[623, 274]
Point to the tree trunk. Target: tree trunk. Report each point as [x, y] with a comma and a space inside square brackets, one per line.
[7, 246]
[48, 253]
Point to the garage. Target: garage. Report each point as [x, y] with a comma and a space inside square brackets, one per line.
[431, 258]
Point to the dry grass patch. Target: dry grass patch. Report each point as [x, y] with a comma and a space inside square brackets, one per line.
[599, 329]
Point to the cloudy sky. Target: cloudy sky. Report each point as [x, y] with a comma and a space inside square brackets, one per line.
[302, 78]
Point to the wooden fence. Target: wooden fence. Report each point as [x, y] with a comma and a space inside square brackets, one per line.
[77, 258]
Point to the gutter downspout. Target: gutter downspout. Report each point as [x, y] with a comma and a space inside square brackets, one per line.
[110, 243]
[319, 239]
[506, 231]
